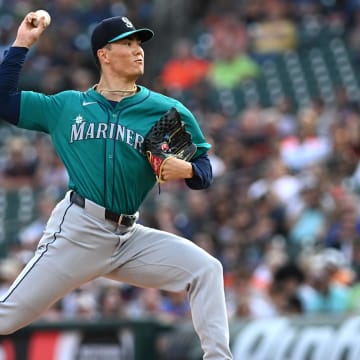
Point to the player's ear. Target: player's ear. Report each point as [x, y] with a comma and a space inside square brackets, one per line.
[102, 54]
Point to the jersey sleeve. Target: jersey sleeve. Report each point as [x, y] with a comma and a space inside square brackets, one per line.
[38, 111]
[203, 176]
[10, 69]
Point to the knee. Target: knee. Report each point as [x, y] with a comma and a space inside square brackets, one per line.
[209, 275]
[216, 265]
[213, 268]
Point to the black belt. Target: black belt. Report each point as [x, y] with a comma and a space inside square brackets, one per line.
[121, 219]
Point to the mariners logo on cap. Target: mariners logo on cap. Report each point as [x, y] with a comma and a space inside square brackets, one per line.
[127, 22]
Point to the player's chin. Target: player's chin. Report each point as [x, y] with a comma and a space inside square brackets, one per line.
[139, 73]
[140, 67]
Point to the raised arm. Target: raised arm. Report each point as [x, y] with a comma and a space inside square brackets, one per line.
[28, 33]
[12, 64]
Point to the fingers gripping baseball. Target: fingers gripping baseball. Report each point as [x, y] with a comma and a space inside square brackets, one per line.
[31, 28]
[42, 19]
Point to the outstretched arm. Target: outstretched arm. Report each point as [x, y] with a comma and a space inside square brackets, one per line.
[11, 66]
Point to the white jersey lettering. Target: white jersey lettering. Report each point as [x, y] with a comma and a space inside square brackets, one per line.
[101, 132]
[138, 142]
[129, 137]
[120, 133]
[111, 132]
[77, 133]
[90, 132]
[87, 131]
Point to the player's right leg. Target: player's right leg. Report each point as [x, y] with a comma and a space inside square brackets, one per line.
[75, 248]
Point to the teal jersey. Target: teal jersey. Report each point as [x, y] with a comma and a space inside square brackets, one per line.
[101, 145]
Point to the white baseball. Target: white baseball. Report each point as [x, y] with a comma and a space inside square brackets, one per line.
[42, 13]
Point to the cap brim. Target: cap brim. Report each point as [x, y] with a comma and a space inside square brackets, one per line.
[143, 34]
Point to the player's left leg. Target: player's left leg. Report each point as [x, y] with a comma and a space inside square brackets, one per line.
[161, 260]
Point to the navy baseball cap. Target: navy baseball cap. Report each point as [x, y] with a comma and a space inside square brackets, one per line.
[116, 28]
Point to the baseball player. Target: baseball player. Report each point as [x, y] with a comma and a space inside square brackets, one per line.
[93, 231]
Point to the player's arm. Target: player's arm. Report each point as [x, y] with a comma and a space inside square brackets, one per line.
[11, 66]
[197, 173]
[202, 173]
[9, 78]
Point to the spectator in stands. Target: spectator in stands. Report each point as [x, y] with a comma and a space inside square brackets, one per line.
[269, 303]
[238, 291]
[274, 34]
[231, 68]
[20, 164]
[196, 219]
[291, 278]
[326, 117]
[307, 148]
[307, 223]
[283, 116]
[255, 135]
[218, 165]
[269, 223]
[232, 151]
[166, 212]
[85, 305]
[338, 266]
[279, 298]
[30, 235]
[82, 302]
[146, 305]
[323, 296]
[110, 303]
[231, 63]
[51, 172]
[184, 69]
[343, 232]
[274, 257]
[277, 182]
[174, 306]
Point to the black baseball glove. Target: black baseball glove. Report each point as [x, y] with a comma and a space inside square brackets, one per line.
[168, 138]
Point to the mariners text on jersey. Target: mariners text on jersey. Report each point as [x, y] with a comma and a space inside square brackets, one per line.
[87, 130]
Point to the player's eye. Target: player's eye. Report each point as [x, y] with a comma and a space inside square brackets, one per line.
[133, 41]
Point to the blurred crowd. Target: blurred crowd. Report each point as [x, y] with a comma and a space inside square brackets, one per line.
[283, 214]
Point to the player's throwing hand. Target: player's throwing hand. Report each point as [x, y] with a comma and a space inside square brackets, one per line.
[28, 33]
